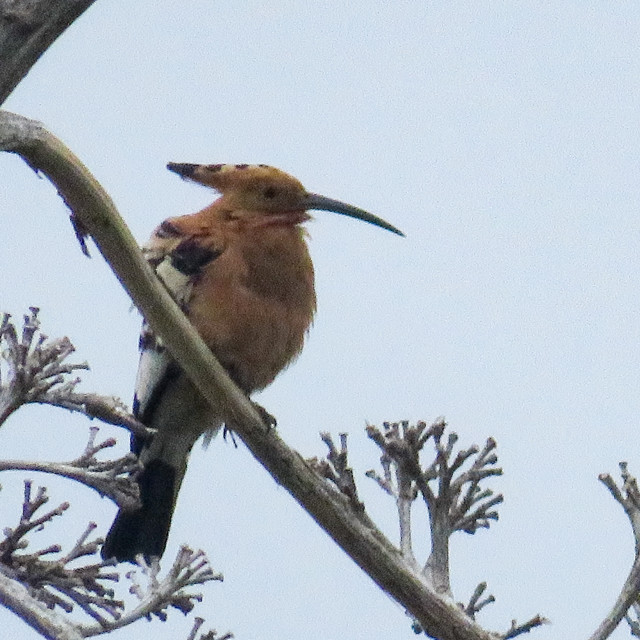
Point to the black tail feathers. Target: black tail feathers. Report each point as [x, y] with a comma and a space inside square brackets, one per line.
[144, 530]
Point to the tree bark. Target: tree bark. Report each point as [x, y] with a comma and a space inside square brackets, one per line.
[27, 29]
[48, 624]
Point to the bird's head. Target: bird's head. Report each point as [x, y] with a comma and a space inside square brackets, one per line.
[259, 190]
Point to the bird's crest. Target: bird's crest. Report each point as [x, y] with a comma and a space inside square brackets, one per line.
[267, 190]
[239, 177]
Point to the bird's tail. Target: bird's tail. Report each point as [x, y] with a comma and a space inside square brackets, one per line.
[145, 530]
[179, 415]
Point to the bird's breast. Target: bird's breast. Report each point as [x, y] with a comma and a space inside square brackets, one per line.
[254, 304]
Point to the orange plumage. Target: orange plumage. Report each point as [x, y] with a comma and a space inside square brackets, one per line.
[241, 271]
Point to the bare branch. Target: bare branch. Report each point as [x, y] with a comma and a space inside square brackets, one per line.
[197, 623]
[401, 446]
[189, 568]
[336, 469]
[107, 409]
[454, 499]
[51, 584]
[632, 618]
[519, 629]
[210, 635]
[475, 603]
[111, 478]
[628, 498]
[95, 213]
[27, 29]
[15, 597]
[33, 366]
[459, 504]
[35, 370]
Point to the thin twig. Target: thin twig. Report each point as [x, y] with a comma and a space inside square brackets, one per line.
[34, 369]
[53, 582]
[59, 584]
[627, 497]
[336, 469]
[189, 568]
[475, 603]
[526, 627]
[111, 478]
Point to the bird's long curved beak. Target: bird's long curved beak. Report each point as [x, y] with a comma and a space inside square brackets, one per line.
[322, 203]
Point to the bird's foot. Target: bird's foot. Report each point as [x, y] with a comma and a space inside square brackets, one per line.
[269, 421]
[228, 431]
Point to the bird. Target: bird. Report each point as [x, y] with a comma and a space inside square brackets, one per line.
[241, 272]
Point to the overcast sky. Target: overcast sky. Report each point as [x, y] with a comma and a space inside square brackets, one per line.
[503, 139]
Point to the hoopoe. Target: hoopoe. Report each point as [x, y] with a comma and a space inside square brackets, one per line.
[241, 271]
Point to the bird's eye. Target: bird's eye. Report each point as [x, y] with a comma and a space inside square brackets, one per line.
[270, 192]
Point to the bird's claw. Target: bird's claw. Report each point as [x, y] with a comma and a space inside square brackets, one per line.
[268, 420]
[228, 431]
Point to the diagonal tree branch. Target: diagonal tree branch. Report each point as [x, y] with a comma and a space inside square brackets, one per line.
[94, 212]
[27, 29]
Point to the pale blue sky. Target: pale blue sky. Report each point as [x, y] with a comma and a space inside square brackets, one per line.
[503, 138]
